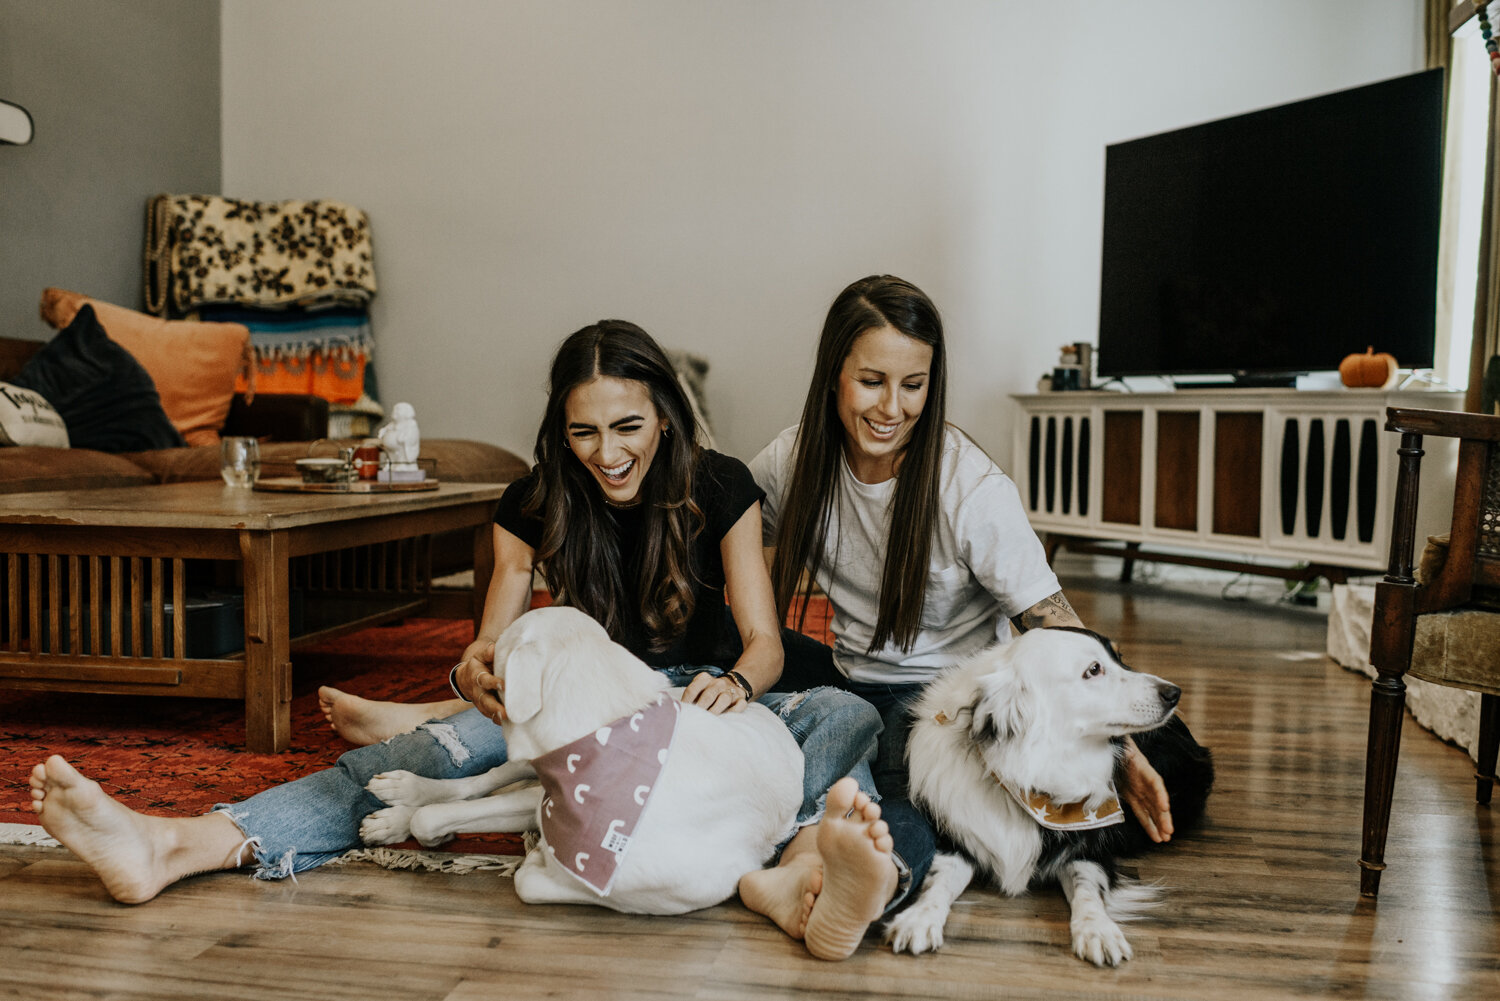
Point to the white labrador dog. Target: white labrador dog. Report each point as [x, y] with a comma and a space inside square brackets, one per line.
[1040, 719]
[727, 794]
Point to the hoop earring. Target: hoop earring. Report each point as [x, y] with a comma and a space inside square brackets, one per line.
[666, 432]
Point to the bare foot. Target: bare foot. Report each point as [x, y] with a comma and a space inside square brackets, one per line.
[859, 874]
[364, 721]
[135, 856]
[786, 893]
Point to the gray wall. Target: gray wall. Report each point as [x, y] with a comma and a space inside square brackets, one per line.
[125, 97]
[717, 171]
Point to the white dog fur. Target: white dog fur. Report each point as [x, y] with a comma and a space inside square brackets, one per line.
[1041, 712]
[728, 794]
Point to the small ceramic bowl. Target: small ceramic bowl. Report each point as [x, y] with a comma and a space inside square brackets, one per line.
[324, 469]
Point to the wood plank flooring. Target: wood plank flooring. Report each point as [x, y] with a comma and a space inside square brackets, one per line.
[1261, 903]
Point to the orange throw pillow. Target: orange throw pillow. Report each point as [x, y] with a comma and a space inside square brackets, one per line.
[193, 364]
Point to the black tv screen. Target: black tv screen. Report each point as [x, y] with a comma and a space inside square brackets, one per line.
[1276, 242]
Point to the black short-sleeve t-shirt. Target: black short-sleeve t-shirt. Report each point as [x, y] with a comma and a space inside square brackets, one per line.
[724, 490]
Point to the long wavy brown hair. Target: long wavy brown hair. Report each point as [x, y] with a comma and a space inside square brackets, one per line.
[580, 548]
[807, 508]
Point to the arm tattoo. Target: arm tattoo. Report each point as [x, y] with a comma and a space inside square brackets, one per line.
[1052, 610]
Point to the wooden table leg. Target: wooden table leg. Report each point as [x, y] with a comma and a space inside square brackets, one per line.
[268, 666]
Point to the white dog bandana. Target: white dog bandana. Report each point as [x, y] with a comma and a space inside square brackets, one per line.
[1066, 816]
[597, 787]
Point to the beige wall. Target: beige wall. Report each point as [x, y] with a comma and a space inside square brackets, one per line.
[716, 170]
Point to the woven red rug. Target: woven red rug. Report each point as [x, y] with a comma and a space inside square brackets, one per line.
[178, 757]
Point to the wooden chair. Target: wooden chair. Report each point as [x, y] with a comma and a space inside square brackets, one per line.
[1443, 623]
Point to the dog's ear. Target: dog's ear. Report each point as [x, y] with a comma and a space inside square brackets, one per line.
[1002, 708]
[523, 681]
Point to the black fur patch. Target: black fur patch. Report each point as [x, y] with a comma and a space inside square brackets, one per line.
[1103, 641]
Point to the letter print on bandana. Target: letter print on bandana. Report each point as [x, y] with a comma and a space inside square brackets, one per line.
[597, 787]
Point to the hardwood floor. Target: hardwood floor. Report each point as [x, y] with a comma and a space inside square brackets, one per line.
[1262, 902]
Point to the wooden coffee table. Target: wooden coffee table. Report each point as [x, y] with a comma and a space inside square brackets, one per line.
[92, 581]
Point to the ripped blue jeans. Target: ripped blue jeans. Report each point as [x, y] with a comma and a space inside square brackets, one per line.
[301, 825]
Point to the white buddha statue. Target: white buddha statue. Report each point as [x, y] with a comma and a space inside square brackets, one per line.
[400, 437]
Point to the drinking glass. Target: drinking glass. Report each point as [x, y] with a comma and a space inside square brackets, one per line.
[239, 461]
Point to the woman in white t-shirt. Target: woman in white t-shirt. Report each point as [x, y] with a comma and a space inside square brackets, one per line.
[917, 538]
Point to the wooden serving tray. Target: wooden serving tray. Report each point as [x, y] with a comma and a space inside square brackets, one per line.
[295, 485]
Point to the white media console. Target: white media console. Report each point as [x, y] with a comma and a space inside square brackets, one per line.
[1294, 483]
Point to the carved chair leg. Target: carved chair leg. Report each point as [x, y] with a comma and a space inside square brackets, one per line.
[1489, 744]
[1387, 705]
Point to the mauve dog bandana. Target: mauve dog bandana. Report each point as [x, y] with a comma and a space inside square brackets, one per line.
[597, 788]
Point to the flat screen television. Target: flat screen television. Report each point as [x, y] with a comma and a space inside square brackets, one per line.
[1277, 242]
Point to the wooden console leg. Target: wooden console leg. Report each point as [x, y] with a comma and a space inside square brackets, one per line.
[1387, 706]
[1127, 568]
[1335, 575]
[268, 666]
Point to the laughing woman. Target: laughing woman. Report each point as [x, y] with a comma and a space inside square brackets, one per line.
[631, 522]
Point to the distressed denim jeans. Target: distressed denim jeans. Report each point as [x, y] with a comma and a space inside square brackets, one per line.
[305, 823]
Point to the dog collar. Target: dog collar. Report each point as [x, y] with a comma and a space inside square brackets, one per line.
[1066, 816]
[597, 787]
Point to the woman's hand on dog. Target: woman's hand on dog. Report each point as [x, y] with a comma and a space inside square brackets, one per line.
[717, 695]
[1146, 794]
[475, 678]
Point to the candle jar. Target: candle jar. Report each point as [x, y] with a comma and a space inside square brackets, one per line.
[367, 459]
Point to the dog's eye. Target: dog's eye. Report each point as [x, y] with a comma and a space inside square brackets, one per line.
[1093, 670]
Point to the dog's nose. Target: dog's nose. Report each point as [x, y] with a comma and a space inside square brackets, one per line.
[1169, 694]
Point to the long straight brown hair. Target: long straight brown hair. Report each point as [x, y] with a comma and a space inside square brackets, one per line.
[580, 549]
[806, 510]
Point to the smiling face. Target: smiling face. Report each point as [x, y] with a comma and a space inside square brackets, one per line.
[614, 429]
[882, 390]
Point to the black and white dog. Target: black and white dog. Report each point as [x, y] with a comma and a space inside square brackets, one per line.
[1013, 754]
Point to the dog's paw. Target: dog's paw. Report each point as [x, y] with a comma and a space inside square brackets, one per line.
[386, 827]
[916, 930]
[1101, 942]
[401, 788]
[426, 827]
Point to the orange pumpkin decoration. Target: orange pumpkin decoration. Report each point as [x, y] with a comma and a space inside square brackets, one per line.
[1369, 370]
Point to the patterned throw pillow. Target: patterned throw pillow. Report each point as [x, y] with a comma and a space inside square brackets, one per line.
[26, 418]
[104, 396]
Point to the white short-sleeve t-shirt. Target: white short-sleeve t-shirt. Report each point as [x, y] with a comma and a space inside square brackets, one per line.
[986, 564]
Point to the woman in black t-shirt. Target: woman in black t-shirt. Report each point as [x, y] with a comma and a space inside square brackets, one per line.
[630, 520]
